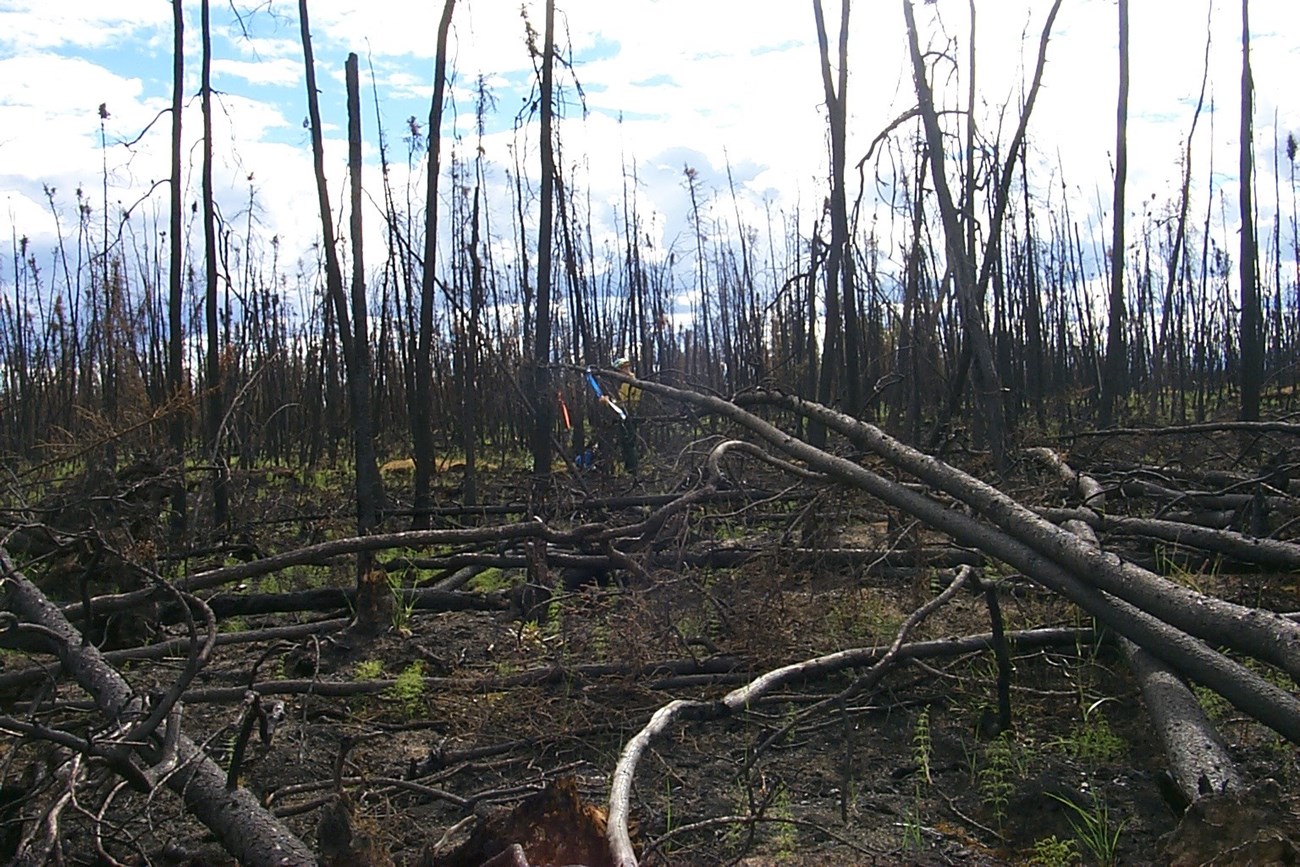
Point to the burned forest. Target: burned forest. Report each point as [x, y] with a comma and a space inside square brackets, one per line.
[931, 521]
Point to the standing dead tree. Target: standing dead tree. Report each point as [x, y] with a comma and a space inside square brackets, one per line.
[1114, 381]
[176, 246]
[421, 411]
[1252, 326]
[540, 391]
[841, 349]
[356, 359]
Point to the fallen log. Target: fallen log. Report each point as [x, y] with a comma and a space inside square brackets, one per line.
[248, 832]
[1272, 553]
[1199, 762]
[1261, 634]
[1246, 690]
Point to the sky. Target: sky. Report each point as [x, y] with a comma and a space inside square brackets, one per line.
[730, 88]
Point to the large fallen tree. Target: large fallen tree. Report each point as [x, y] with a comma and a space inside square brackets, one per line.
[1164, 627]
[132, 734]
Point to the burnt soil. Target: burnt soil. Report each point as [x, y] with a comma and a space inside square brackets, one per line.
[494, 705]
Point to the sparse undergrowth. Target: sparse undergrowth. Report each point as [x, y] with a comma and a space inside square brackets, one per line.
[484, 707]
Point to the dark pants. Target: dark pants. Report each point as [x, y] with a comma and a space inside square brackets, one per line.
[627, 444]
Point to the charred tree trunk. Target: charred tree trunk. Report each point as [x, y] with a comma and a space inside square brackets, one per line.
[176, 298]
[1114, 380]
[541, 384]
[839, 259]
[1252, 330]
[369, 487]
[422, 409]
[220, 495]
[357, 375]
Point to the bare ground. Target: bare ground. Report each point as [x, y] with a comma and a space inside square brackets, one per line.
[493, 706]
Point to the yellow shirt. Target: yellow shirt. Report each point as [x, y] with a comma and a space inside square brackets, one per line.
[628, 396]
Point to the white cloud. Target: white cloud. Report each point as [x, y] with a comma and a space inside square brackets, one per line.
[283, 72]
[704, 83]
[30, 25]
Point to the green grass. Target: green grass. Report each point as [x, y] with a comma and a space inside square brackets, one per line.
[1097, 831]
[1093, 741]
[490, 580]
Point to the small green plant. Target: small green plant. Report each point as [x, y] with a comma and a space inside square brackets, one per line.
[408, 688]
[785, 838]
[996, 776]
[368, 669]
[1093, 741]
[232, 624]
[921, 744]
[402, 608]
[913, 830]
[1051, 852]
[490, 580]
[1095, 828]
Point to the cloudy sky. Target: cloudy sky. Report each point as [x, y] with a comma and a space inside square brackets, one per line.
[716, 85]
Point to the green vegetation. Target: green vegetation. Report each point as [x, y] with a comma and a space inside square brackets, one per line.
[408, 688]
[1097, 831]
[1092, 740]
[402, 608]
[490, 580]
[368, 669]
[785, 837]
[913, 829]
[921, 744]
[996, 776]
[1051, 852]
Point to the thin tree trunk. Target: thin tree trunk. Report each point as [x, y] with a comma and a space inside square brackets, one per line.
[422, 410]
[176, 299]
[356, 369]
[1252, 351]
[1114, 381]
[220, 496]
[541, 385]
[369, 487]
[839, 260]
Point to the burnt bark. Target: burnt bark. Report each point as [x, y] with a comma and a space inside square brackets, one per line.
[540, 392]
[1114, 380]
[422, 411]
[1059, 561]
[1199, 762]
[247, 831]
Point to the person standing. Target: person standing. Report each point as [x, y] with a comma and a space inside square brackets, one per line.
[629, 395]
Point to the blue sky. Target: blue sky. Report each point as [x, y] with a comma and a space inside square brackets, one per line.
[709, 83]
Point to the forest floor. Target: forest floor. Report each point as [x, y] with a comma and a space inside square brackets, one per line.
[459, 713]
